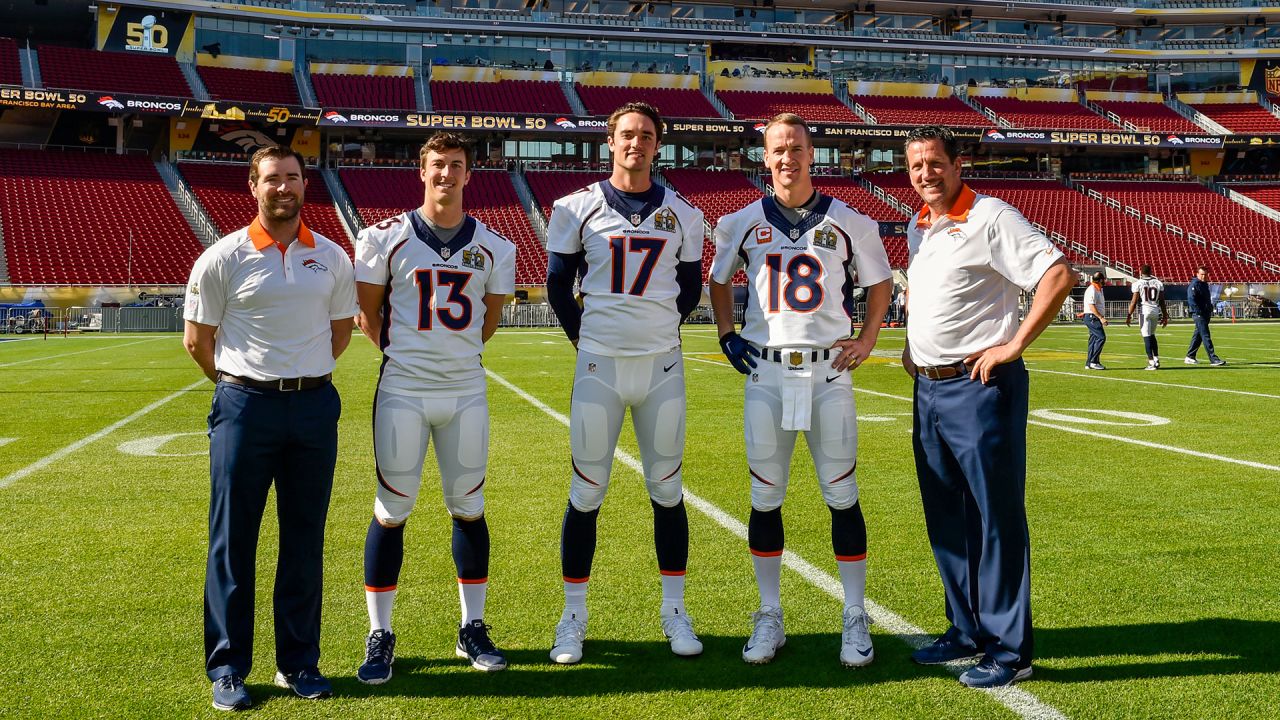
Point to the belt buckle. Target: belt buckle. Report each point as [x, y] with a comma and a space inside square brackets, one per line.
[297, 382]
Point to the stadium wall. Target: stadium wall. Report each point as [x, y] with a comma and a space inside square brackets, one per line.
[1031, 93]
[322, 68]
[244, 63]
[643, 80]
[898, 89]
[483, 74]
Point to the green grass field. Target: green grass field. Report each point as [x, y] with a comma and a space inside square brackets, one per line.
[1154, 546]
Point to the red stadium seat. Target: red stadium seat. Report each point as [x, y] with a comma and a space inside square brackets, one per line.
[138, 73]
[1152, 116]
[1046, 114]
[671, 102]
[373, 92]
[949, 111]
[91, 218]
[10, 69]
[1241, 118]
[225, 83]
[510, 96]
[813, 107]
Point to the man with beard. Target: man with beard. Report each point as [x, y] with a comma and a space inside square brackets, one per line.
[269, 309]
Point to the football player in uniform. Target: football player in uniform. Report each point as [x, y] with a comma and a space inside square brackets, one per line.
[1148, 291]
[803, 253]
[640, 249]
[431, 284]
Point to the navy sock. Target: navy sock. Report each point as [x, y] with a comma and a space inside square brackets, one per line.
[578, 542]
[471, 548]
[1153, 347]
[849, 533]
[671, 536]
[383, 556]
[764, 531]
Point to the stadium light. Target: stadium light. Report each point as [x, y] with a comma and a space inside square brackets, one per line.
[277, 28]
[328, 32]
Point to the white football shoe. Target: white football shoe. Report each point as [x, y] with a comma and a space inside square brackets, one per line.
[570, 633]
[767, 635]
[855, 643]
[678, 628]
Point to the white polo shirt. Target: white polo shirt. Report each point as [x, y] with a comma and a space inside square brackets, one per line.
[965, 276]
[1093, 297]
[272, 305]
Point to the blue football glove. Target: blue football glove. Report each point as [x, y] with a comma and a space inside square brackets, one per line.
[739, 352]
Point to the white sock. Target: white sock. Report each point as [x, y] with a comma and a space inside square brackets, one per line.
[769, 579]
[575, 600]
[380, 605]
[472, 595]
[853, 577]
[673, 594]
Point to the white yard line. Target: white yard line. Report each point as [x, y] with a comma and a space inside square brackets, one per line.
[1117, 438]
[57, 455]
[79, 352]
[1098, 375]
[1016, 699]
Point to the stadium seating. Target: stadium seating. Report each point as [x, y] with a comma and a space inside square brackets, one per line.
[1093, 225]
[551, 185]
[10, 69]
[859, 198]
[506, 96]
[814, 107]
[380, 193]
[371, 92]
[949, 111]
[716, 194]
[223, 190]
[1046, 114]
[671, 102]
[91, 218]
[1241, 118]
[227, 83]
[1196, 209]
[137, 73]
[1155, 117]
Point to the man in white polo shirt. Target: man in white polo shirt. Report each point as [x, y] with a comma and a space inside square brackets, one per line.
[971, 258]
[269, 308]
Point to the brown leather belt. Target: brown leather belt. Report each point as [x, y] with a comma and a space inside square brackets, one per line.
[942, 372]
[282, 384]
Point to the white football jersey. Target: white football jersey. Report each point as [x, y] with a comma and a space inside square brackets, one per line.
[433, 311]
[800, 277]
[629, 289]
[1148, 290]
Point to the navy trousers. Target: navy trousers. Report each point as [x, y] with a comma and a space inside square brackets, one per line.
[1097, 338]
[970, 444]
[1201, 336]
[257, 437]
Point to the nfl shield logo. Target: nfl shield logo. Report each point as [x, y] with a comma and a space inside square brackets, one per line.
[797, 358]
[1272, 78]
[635, 218]
[795, 233]
[591, 367]
[444, 253]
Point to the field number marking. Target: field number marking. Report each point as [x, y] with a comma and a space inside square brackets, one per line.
[150, 446]
[1135, 419]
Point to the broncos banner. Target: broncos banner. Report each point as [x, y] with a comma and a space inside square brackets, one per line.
[1119, 138]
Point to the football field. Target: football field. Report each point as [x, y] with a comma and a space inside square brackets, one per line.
[1153, 501]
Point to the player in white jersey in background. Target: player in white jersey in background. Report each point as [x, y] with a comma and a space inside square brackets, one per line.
[803, 252]
[640, 249]
[1149, 292]
[431, 284]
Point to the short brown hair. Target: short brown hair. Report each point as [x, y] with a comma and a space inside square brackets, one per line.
[444, 140]
[277, 153]
[791, 119]
[929, 133]
[642, 108]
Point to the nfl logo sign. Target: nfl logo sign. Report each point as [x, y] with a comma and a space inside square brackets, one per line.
[795, 233]
[797, 358]
[635, 218]
[444, 253]
[591, 367]
[1272, 77]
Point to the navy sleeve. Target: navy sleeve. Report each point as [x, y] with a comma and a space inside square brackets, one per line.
[689, 277]
[562, 270]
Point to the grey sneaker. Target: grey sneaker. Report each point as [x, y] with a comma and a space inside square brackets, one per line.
[229, 693]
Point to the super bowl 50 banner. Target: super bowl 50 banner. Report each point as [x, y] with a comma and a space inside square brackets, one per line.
[144, 30]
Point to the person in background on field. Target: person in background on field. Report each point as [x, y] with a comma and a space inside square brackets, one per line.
[1149, 291]
[1096, 320]
[1201, 312]
[269, 309]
